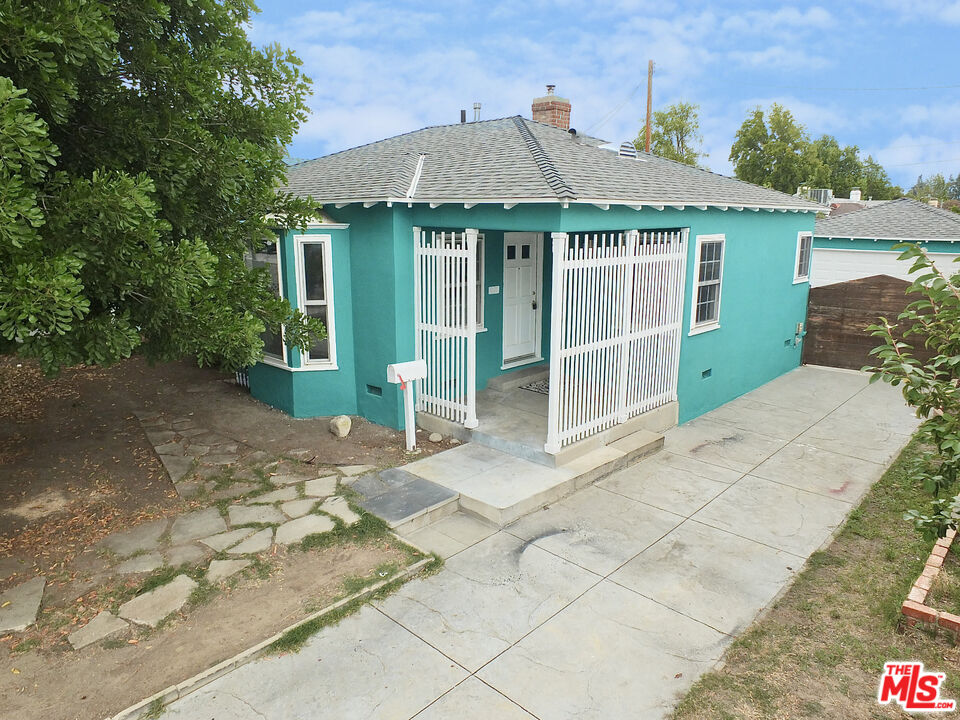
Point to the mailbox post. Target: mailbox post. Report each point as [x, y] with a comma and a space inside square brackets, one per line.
[404, 374]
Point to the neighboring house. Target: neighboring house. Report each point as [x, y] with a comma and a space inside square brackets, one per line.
[856, 278]
[498, 246]
[858, 244]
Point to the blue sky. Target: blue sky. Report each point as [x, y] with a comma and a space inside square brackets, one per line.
[876, 74]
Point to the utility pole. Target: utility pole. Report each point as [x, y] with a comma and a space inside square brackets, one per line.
[649, 100]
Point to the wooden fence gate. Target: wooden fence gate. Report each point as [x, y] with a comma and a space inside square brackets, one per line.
[616, 324]
[445, 311]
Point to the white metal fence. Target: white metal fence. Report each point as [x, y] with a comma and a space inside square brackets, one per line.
[616, 322]
[445, 311]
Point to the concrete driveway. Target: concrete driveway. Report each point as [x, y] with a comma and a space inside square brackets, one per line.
[611, 602]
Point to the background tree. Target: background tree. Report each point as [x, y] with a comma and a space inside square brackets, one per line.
[675, 134]
[772, 150]
[775, 151]
[936, 187]
[141, 145]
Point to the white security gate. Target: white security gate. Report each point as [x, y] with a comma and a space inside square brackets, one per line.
[445, 312]
[615, 329]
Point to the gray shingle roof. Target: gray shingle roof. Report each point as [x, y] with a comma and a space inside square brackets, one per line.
[516, 159]
[902, 219]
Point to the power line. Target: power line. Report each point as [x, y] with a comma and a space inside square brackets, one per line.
[606, 118]
[851, 89]
[927, 162]
[937, 144]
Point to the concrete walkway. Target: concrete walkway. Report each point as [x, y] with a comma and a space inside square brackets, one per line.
[611, 602]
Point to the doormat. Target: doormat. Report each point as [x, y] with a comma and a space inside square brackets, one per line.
[538, 386]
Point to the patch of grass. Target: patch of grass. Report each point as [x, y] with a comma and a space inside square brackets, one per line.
[204, 592]
[369, 527]
[113, 643]
[819, 652]
[26, 645]
[354, 584]
[154, 710]
[295, 638]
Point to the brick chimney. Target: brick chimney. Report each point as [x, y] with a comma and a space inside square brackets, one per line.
[552, 109]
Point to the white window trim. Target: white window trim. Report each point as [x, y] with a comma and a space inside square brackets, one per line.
[696, 329]
[797, 278]
[282, 361]
[326, 241]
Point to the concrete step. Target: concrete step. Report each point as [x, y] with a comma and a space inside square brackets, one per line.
[501, 487]
[512, 380]
[406, 502]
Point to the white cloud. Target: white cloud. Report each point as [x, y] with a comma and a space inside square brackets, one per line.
[784, 20]
[779, 57]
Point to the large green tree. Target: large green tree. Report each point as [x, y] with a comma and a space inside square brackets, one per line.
[675, 134]
[770, 150]
[142, 145]
[842, 169]
[775, 151]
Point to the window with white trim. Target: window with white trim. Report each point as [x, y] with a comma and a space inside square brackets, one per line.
[266, 256]
[315, 291]
[801, 272]
[707, 281]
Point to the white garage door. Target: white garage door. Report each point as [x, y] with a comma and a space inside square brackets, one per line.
[831, 266]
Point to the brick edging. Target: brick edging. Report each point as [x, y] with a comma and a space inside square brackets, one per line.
[914, 609]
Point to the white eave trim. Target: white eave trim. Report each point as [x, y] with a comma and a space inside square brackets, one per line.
[565, 202]
[875, 239]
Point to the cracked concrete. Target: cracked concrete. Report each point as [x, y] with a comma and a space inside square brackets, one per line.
[612, 602]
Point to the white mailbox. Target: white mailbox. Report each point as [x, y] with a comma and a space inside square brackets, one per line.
[404, 374]
[406, 371]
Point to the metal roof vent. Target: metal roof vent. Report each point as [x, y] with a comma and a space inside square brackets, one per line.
[627, 149]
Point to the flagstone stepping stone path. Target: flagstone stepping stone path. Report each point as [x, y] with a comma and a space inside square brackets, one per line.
[102, 626]
[297, 530]
[147, 562]
[297, 506]
[181, 444]
[281, 495]
[258, 542]
[228, 539]
[19, 605]
[197, 524]
[339, 507]
[136, 539]
[246, 514]
[153, 606]
[321, 487]
[222, 569]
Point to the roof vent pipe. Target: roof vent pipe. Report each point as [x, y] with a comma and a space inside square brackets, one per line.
[463, 116]
[476, 111]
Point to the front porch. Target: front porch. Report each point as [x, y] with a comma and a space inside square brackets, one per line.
[602, 309]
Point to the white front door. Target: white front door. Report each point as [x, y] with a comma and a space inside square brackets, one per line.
[521, 297]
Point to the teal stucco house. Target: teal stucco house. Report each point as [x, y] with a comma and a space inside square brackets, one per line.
[556, 290]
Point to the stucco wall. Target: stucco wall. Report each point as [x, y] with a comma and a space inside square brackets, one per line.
[373, 275]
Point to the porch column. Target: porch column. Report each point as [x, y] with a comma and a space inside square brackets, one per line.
[471, 327]
[558, 312]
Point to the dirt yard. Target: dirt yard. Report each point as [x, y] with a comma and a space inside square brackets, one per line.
[76, 467]
[104, 678]
[75, 464]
